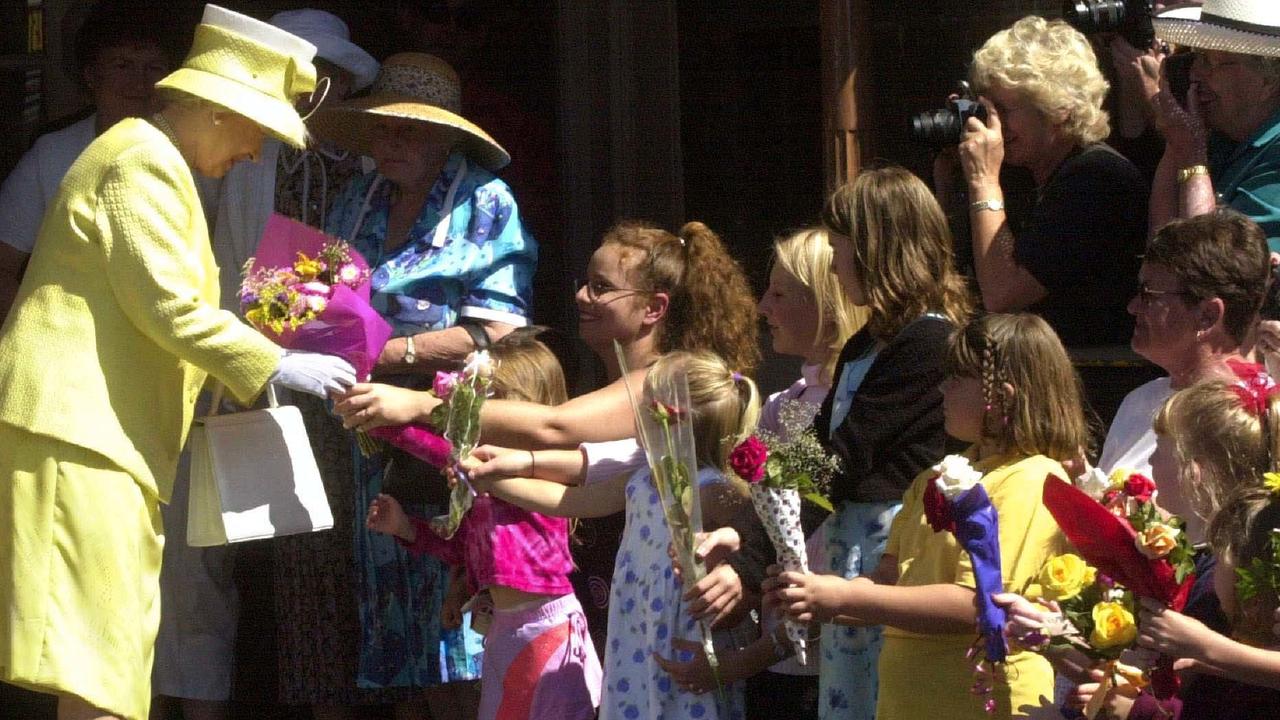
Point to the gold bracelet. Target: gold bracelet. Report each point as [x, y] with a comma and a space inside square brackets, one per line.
[1187, 173]
[533, 464]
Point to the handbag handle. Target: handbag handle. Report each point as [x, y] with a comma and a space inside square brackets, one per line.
[219, 389]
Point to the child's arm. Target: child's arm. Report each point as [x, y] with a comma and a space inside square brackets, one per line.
[389, 518]
[1180, 636]
[928, 609]
[490, 462]
[556, 500]
[604, 414]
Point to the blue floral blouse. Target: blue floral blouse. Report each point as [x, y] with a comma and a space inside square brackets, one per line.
[481, 267]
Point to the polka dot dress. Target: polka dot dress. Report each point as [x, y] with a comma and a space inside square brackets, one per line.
[645, 614]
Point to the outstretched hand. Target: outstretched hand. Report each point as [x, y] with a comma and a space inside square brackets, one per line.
[370, 405]
[386, 516]
[805, 597]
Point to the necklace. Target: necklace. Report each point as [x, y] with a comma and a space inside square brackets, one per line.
[162, 124]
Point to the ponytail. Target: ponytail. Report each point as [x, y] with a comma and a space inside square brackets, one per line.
[714, 308]
[724, 404]
[710, 304]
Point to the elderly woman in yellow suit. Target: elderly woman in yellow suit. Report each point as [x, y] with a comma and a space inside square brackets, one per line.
[114, 331]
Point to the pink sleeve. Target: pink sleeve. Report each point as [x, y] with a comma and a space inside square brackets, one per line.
[428, 543]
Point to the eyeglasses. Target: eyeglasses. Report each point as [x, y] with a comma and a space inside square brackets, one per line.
[1146, 295]
[597, 289]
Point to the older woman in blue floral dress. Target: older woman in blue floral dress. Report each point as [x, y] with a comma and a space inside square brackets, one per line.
[452, 270]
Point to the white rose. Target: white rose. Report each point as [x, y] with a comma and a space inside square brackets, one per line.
[955, 475]
[1094, 483]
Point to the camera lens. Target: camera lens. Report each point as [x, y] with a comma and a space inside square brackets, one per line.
[1094, 16]
[936, 128]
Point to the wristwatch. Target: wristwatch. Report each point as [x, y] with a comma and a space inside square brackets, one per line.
[992, 205]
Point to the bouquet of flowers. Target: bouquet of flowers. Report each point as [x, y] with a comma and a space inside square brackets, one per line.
[1118, 529]
[1123, 535]
[780, 469]
[308, 291]
[456, 423]
[957, 501]
[666, 434]
[1094, 615]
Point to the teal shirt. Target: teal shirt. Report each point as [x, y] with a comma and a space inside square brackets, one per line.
[1246, 176]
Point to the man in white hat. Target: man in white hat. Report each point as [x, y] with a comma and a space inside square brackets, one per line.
[200, 607]
[1223, 146]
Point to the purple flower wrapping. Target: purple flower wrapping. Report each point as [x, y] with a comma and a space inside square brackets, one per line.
[978, 532]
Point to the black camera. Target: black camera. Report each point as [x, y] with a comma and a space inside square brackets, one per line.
[943, 128]
[1131, 19]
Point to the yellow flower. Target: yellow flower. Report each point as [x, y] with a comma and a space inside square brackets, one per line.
[307, 268]
[1157, 540]
[1119, 476]
[1063, 577]
[1271, 481]
[1113, 626]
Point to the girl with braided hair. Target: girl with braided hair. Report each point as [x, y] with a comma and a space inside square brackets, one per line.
[1011, 392]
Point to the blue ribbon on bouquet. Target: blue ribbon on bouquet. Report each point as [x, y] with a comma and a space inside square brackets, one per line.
[977, 530]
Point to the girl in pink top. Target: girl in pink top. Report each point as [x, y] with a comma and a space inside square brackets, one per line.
[539, 662]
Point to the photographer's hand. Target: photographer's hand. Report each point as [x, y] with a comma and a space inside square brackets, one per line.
[1186, 138]
[982, 153]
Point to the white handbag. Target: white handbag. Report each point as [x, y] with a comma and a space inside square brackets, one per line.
[253, 476]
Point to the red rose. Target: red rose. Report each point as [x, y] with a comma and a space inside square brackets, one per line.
[1139, 487]
[937, 509]
[747, 460]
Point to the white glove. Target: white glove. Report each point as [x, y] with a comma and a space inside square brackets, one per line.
[314, 373]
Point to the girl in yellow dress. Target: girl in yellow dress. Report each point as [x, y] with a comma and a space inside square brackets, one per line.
[1011, 391]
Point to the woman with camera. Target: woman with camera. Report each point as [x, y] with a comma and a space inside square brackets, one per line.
[1074, 258]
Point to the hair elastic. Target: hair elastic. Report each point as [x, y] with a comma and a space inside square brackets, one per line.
[737, 376]
[1254, 391]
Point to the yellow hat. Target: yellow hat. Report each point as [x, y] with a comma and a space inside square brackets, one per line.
[251, 68]
[410, 86]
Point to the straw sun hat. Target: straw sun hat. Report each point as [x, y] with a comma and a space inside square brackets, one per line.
[248, 67]
[411, 86]
[1249, 27]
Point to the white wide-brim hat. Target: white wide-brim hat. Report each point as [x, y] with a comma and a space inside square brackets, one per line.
[410, 86]
[251, 68]
[332, 39]
[1248, 27]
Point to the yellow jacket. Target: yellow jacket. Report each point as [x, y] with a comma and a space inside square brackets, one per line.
[117, 321]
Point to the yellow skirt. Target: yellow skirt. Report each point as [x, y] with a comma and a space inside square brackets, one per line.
[80, 548]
